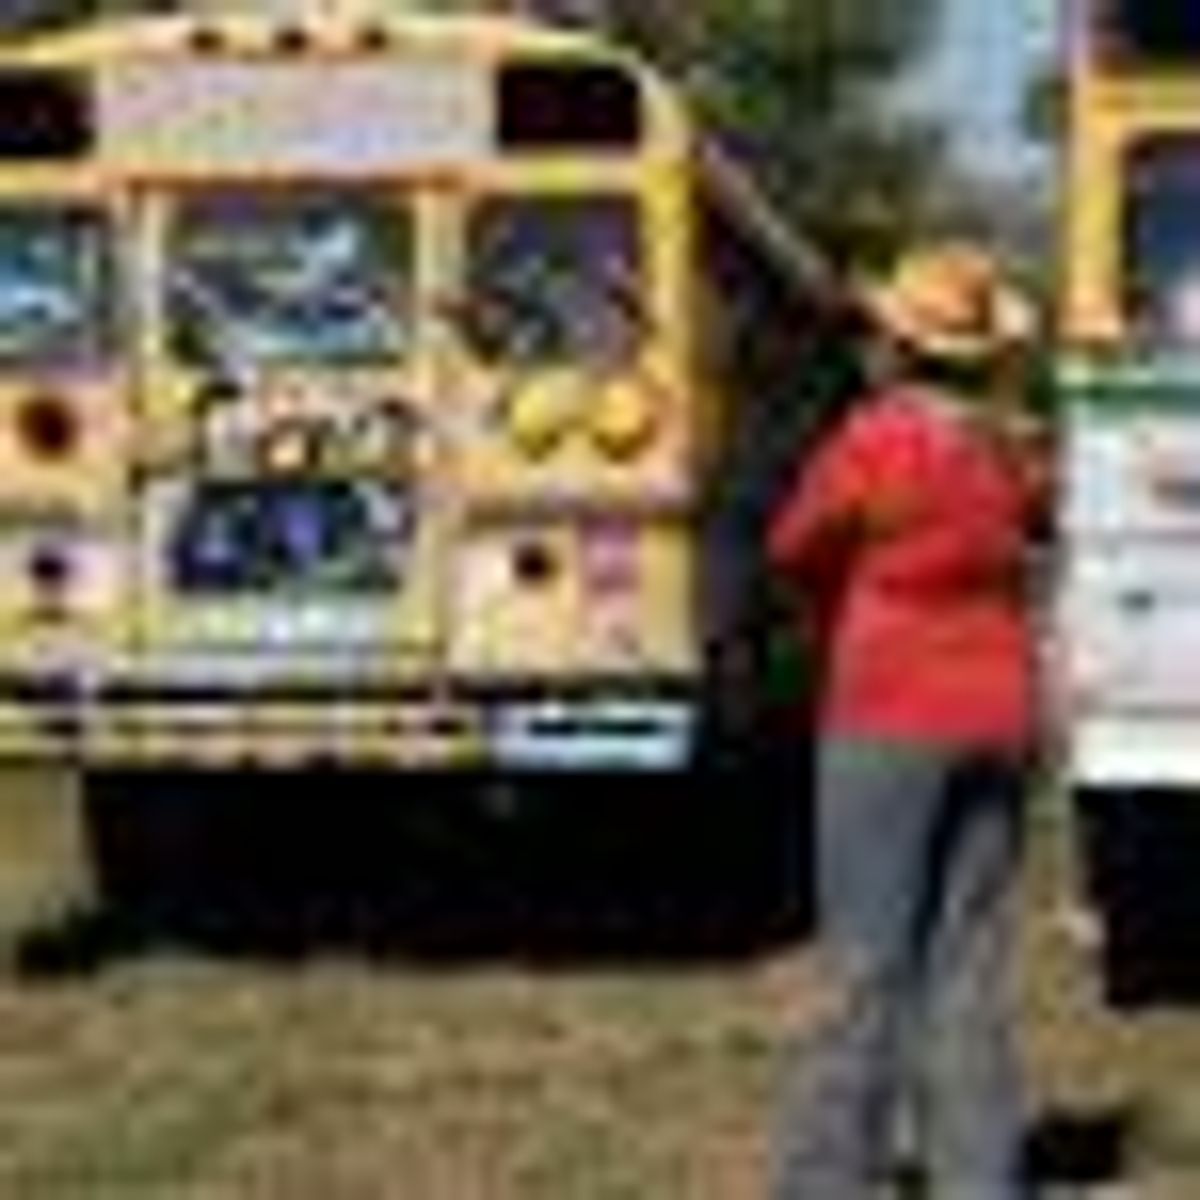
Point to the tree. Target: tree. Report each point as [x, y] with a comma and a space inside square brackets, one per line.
[794, 88]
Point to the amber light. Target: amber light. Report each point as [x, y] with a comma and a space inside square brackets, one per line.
[47, 427]
[624, 422]
[539, 416]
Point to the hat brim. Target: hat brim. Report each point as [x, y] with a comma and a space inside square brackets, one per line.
[1011, 324]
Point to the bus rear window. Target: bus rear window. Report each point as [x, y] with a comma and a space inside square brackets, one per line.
[555, 279]
[320, 277]
[47, 116]
[568, 106]
[1162, 239]
[1150, 32]
[57, 305]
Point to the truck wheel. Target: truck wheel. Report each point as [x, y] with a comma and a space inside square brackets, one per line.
[1140, 847]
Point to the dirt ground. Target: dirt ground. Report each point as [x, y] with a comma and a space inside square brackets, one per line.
[299, 1042]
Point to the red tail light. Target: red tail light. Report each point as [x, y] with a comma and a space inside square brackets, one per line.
[47, 427]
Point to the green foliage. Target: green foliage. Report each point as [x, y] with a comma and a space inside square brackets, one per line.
[1045, 107]
[795, 87]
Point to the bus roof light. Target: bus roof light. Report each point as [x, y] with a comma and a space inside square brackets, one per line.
[292, 39]
[374, 37]
[206, 39]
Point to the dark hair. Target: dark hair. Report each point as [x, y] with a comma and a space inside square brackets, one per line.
[923, 367]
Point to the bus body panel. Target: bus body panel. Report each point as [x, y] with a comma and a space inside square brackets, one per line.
[309, 460]
[1128, 678]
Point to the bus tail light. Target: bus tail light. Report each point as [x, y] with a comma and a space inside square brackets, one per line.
[47, 427]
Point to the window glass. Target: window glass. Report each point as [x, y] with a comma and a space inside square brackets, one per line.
[1150, 31]
[300, 278]
[1162, 239]
[555, 279]
[57, 302]
[48, 115]
[568, 106]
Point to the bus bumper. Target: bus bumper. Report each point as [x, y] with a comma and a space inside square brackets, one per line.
[1135, 751]
[123, 725]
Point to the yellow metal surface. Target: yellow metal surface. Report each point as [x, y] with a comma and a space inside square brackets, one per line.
[557, 625]
[1110, 112]
[515, 459]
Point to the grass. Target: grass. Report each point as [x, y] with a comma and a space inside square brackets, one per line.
[340, 1074]
[338, 1079]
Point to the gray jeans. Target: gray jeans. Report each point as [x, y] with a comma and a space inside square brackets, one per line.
[918, 851]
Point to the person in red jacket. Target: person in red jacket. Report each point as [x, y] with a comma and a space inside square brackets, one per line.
[908, 529]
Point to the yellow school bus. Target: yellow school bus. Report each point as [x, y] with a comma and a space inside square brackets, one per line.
[365, 395]
[1129, 391]
[1130, 374]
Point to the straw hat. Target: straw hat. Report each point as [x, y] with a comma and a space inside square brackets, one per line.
[950, 301]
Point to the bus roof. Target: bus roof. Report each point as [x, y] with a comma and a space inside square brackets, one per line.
[162, 84]
[485, 35]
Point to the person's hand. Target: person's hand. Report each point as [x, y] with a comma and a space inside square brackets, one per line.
[1026, 442]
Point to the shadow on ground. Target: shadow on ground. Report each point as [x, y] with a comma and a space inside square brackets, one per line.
[1066, 1156]
[1080, 1149]
[593, 869]
[1141, 851]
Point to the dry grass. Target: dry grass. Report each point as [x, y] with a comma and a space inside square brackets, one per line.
[342, 1077]
[177, 1078]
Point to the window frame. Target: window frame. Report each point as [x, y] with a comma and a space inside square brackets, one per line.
[635, 281]
[377, 208]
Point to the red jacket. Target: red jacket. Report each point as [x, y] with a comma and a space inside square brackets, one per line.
[914, 522]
